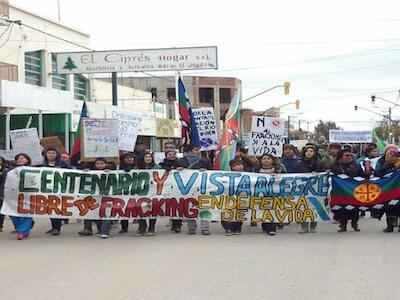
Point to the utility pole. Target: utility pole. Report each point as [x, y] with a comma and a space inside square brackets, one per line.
[114, 88]
[288, 129]
[390, 125]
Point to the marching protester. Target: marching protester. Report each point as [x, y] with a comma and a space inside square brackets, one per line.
[127, 163]
[233, 227]
[271, 165]
[345, 164]
[289, 158]
[103, 226]
[3, 175]
[146, 161]
[192, 160]
[52, 159]
[309, 163]
[241, 154]
[22, 225]
[391, 164]
[330, 158]
[381, 161]
[169, 146]
[140, 148]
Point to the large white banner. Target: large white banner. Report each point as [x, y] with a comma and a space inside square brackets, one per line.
[342, 136]
[266, 136]
[188, 194]
[167, 59]
[100, 138]
[129, 123]
[207, 126]
[27, 141]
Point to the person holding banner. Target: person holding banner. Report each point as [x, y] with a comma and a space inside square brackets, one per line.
[127, 163]
[3, 175]
[309, 163]
[271, 165]
[330, 158]
[346, 165]
[52, 159]
[146, 162]
[192, 160]
[23, 225]
[289, 158]
[392, 164]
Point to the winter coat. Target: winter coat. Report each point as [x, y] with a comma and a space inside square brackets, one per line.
[169, 165]
[309, 166]
[290, 164]
[58, 164]
[192, 162]
[352, 169]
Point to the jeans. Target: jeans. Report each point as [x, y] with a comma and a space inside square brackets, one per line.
[233, 226]
[204, 224]
[22, 224]
[105, 226]
[143, 225]
[88, 224]
[269, 227]
[125, 225]
[56, 224]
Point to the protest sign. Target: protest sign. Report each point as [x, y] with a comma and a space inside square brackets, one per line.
[53, 142]
[188, 194]
[266, 136]
[100, 138]
[7, 154]
[27, 141]
[128, 126]
[342, 136]
[207, 127]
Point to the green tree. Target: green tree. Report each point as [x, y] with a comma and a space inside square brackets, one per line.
[69, 65]
[322, 129]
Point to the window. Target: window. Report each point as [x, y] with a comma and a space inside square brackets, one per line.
[153, 93]
[225, 95]
[206, 95]
[171, 95]
[34, 67]
[59, 81]
[81, 87]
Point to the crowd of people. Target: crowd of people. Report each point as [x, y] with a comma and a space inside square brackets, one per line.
[312, 158]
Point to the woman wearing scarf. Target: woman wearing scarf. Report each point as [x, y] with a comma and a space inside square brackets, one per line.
[309, 163]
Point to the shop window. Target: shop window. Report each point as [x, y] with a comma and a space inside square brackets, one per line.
[34, 67]
[81, 87]
[206, 95]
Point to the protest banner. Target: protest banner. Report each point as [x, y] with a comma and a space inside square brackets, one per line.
[342, 136]
[188, 194]
[266, 136]
[53, 142]
[207, 127]
[99, 138]
[128, 126]
[27, 141]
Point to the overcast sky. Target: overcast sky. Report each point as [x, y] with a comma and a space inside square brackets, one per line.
[334, 54]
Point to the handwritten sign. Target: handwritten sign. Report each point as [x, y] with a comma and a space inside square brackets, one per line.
[207, 126]
[266, 136]
[100, 138]
[129, 123]
[27, 141]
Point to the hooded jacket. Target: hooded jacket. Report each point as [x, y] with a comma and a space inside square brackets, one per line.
[59, 163]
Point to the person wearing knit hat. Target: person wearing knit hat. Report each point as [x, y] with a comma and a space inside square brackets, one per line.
[381, 162]
[330, 157]
[309, 163]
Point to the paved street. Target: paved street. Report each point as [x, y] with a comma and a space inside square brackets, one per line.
[326, 265]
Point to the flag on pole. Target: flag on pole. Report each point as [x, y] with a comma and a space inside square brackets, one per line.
[76, 149]
[190, 133]
[380, 144]
[227, 144]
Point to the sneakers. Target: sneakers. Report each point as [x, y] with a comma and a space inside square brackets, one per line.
[228, 232]
[205, 232]
[85, 232]
[123, 231]
[140, 233]
[192, 231]
[176, 229]
[104, 236]
[55, 232]
[271, 233]
[236, 233]
[49, 231]
[20, 236]
[150, 233]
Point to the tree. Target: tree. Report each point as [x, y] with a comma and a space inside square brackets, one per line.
[69, 64]
[322, 129]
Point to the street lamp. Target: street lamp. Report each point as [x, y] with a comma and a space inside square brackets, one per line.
[285, 85]
[390, 121]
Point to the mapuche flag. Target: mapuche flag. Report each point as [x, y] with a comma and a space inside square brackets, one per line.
[190, 132]
[227, 144]
[348, 191]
